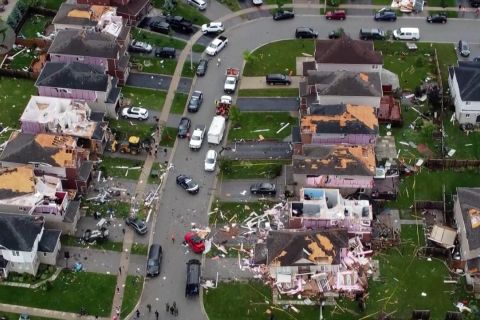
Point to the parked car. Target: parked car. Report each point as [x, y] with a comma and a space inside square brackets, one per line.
[263, 188]
[154, 261]
[195, 101]
[211, 160]
[180, 24]
[135, 113]
[406, 34]
[184, 127]
[165, 52]
[335, 34]
[138, 46]
[437, 18]
[283, 15]
[160, 26]
[194, 242]
[385, 14]
[199, 4]
[277, 78]
[202, 67]
[463, 48]
[192, 287]
[137, 224]
[304, 32]
[187, 184]
[212, 27]
[257, 2]
[336, 15]
[371, 34]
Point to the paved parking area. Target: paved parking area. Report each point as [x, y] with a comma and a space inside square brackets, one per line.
[267, 104]
[157, 81]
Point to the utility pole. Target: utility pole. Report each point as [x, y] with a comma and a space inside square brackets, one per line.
[191, 57]
[321, 310]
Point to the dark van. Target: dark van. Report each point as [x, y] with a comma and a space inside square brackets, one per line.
[372, 34]
[154, 260]
[193, 278]
[278, 79]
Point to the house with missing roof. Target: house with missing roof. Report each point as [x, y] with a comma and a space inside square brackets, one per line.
[93, 48]
[66, 117]
[25, 243]
[335, 124]
[466, 211]
[80, 81]
[22, 192]
[132, 10]
[311, 264]
[49, 154]
[464, 83]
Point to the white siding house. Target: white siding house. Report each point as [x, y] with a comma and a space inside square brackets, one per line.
[464, 83]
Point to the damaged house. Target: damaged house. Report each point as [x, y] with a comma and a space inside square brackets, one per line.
[131, 10]
[66, 117]
[312, 264]
[50, 154]
[21, 192]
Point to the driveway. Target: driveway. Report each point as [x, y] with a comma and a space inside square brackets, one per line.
[239, 190]
[260, 83]
[257, 150]
[157, 81]
[267, 104]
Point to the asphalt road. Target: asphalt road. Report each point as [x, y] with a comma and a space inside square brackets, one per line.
[178, 209]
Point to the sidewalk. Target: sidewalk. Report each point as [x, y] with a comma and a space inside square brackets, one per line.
[52, 314]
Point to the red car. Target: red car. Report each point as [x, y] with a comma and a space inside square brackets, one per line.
[195, 242]
[336, 15]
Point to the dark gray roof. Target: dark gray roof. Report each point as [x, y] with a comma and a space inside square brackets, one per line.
[296, 138]
[343, 83]
[24, 149]
[73, 75]
[49, 240]
[98, 133]
[19, 231]
[9, 193]
[346, 51]
[469, 198]
[114, 93]
[468, 79]
[85, 170]
[97, 116]
[287, 247]
[71, 211]
[85, 44]
[62, 15]
[133, 7]
[3, 262]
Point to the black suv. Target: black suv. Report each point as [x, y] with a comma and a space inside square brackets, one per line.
[160, 26]
[165, 52]
[278, 79]
[180, 24]
[193, 278]
[385, 14]
[303, 32]
[372, 34]
[437, 18]
[154, 260]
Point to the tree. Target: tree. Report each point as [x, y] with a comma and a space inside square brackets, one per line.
[435, 97]
[280, 4]
[226, 165]
[168, 6]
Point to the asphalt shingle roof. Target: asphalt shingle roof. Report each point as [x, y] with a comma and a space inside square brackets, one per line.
[85, 44]
[346, 51]
[19, 231]
[468, 79]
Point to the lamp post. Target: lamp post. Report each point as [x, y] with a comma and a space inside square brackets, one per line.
[321, 310]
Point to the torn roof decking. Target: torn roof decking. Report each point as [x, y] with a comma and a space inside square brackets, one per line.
[81, 14]
[15, 181]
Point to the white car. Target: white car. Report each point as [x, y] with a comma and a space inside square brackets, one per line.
[213, 27]
[142, 47]
[199, 4]
[211, 160]
[257, 2]
[216, 45]
[135, 113]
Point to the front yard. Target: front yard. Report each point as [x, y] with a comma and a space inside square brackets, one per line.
[251, 169]
[223, 212]
[251, 126]
[14, 95]
[146, 98]
[148, 64]
[119, 209]
[35, 24]
[116, 167]
[69, 292]
[126, 128]
[108, 245]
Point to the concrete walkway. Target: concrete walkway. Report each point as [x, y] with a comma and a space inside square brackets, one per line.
[411, 222]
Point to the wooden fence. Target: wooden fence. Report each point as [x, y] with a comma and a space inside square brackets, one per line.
[34, 43]
[426, 204]
[18, 74]
[445, 164]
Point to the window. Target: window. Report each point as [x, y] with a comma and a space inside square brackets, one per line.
[467, 103]
[467, 115]
[16, 253]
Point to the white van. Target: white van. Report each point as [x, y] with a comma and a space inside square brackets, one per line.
[216, 130]
[406, 34]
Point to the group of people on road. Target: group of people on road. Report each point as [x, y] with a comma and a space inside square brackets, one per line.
[172, 308]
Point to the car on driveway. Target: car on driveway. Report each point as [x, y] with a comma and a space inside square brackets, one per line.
[437, 18]
[155, 255]
[137, 224]
[277, 78]
[305, 32]
[194, 242]
[165, 52]
[202, 67]
[336, 15]
[187, 184]
[212, 27]
[135, 113]
[195, 101]
[463, 48]
[160, 26]
[199, 4]
[283, 15]
[184, 127]
[257, 2]
[263, 188]
[210, 160]
[138, 46]
[385, 14]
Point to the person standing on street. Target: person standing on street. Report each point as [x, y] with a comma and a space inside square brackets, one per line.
[156, 314]
[149, 308]
[167, 307]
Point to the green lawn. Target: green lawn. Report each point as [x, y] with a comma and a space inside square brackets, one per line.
[467, 146]
[51, 4]
[35, 23]
[381, 2]
[150, 99]
[449, 14]
[154, 65]
[249, 122]
[44, 272]
[189, 70]
[139, 248]
[108, 245]
[179, 102]
[133, 289]
[120, 209]
[222, 211]
[198, 48]
[184, 10]
[160, 168]
[156, 39]
[284, 92]
[69, 292]
[126, 128]
[267, 60]
[441, 3]
[277, 1]
[447, 56]
[22, 60]
[251, 169]
[169, 135]
[231, 4]
[110, 167]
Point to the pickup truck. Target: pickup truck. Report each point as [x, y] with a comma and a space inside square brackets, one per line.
[216, 45]
[197, 137]
[180, 24]
[231, 79]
